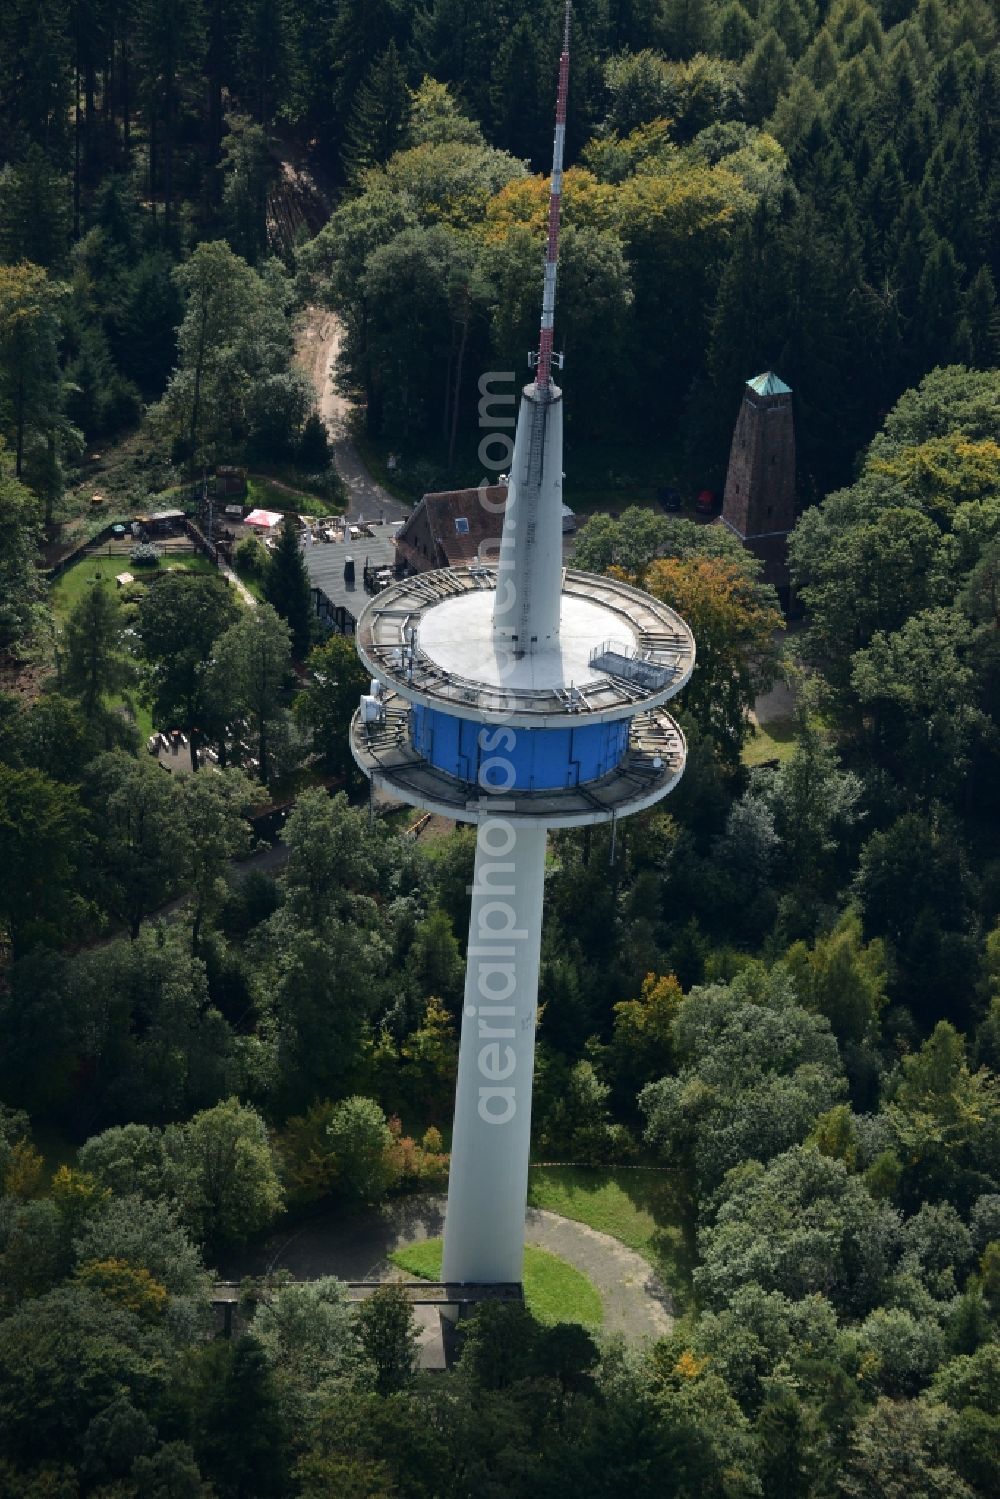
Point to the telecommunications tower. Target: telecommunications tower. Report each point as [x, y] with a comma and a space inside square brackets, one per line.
[518, 695]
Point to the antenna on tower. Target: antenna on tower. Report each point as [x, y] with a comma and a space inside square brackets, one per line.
[544, 358]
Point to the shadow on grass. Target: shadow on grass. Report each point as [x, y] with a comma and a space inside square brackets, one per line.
[648, 1210]
[774, 740]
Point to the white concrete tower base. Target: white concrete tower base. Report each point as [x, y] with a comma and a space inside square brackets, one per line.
[488, 1182]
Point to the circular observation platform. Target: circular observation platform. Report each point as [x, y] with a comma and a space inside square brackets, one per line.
[429, 639]
[651, 765]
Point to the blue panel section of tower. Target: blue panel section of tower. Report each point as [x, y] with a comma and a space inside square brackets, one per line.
[506, 759]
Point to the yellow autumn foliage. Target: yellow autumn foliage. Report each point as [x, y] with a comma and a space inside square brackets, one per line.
[944, 472]
[129, 1286]
[525, 203]
[690, 1366]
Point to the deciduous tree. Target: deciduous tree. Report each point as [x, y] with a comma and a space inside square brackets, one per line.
[800, 1225]
[224, 1173]
[247, 675]
[181, 616]
[388, 1337]
[20, 585]
[755, 1070]
[360, 1139]
[733, 621]
[42, 829]
[141, 844]
[329, 702]
[214, 810]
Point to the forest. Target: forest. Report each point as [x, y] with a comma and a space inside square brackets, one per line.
[769, 1045]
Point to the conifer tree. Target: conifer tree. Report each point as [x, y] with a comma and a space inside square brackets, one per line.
[171, 46]
[879, 200]
[980, 331]
[686, 27]
[735, 31]
[361, 32]
[902, 83]
[34, 212]
[30, 380]
[956, 200]
[314, 452]
[939, 304]
[93, 664]
[821, 61]
[266, 49]
[788, 21]
[247, 170]
[287, 587]
[243, 1434]
[36, 79]
[144, 333]
[765, 76]
[522, 122]
[908, 238]
[380, 117]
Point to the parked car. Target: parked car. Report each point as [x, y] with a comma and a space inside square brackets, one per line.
[707, 502]
[669, 497]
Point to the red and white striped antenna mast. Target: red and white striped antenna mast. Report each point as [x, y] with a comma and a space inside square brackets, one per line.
[545, 356]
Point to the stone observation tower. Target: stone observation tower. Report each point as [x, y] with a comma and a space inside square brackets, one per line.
[759, 499]
[517, 695]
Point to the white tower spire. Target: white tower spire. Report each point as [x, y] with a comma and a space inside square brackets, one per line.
[526, 613]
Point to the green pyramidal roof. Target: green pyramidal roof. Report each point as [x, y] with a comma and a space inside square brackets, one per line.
[768, 384]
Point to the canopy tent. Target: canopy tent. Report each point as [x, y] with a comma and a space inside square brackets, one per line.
[266, 520]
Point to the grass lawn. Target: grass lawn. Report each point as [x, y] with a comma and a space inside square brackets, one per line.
[553, 1290]
[268, 496]
[774, 740]
[98, 571]
[644, 1209]
[273, 494]
[254, 586]
[141, 714]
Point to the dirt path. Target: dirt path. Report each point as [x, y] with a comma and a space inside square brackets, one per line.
[635, 1304]
[319, 339]
[241, 588]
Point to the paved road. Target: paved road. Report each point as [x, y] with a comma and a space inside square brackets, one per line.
[780, 701]
[357, 1248]
[319, 340]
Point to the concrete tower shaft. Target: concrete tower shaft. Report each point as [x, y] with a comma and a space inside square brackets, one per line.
[491, 1140]
[529, 567]
[520, 696]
